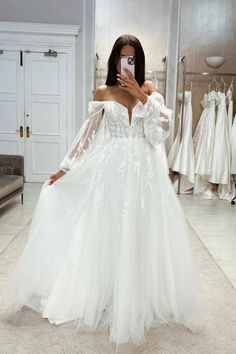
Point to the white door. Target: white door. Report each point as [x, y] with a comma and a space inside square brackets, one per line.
[11, 104]
[45, 114]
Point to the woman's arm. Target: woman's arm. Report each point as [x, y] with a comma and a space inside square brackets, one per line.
[158, 118]
[84, 138]
[87, 134]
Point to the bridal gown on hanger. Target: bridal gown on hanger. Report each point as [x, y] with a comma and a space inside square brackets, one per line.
[203, 141]
[181, 155]
[220, 170]
[108, 244]
[229, 192]
[233, 147]
[229, 95]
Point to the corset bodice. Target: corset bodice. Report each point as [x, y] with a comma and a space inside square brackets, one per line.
[117, 120]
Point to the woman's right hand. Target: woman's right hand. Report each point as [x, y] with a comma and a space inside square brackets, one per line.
[56, 176]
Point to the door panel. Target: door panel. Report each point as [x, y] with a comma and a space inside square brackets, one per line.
[9, 72]
[41, 111]
[45, 75]
[11, 103]
[45, 114]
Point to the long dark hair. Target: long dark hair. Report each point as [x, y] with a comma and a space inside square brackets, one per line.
[111, 79]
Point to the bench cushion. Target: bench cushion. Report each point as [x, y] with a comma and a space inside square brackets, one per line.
[9, 184]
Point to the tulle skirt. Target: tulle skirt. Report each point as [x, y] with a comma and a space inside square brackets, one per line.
[109, 247]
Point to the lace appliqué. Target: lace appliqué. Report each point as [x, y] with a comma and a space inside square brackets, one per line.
[148, 178]
[130, 167]
[135, 157]
[99, 181]
[118, 125]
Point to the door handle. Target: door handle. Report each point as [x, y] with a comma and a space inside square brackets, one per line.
[20, 131]
[28, 131]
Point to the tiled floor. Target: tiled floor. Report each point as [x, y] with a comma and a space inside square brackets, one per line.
[213, 220]
[14, 216]
[215, 223]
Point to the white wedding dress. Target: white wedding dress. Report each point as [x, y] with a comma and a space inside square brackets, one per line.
[108, 245]
[181, 155]
[203, 142]
[229, 95]
[220, 168]
[233, 147]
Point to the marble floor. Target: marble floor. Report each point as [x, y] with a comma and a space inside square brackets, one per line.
[213, 220]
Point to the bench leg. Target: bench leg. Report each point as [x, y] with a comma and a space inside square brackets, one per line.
[21, 198]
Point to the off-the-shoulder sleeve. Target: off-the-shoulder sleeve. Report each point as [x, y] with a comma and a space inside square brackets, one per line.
[87, 135]
[157, 120]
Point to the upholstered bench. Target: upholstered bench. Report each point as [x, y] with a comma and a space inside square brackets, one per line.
[11, 178]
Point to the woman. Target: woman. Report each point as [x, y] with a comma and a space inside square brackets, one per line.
[108, 244]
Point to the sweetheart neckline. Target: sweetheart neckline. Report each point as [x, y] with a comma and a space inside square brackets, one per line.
[120, 104]
[139, 102]
[123, 105]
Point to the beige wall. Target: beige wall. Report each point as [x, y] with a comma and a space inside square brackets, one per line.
[208, 28]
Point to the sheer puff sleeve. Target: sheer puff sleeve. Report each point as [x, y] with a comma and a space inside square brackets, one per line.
[158, 119]
[90, 133]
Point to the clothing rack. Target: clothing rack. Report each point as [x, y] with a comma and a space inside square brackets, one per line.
[186, 73]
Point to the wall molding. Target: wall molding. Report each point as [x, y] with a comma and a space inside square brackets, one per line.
[39, 28]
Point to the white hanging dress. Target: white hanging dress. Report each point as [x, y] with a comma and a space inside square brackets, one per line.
[229, 95]
[233, 147]
[220, 170]
[232, 134]
[108, 244]
[203, 142]
[181, 155]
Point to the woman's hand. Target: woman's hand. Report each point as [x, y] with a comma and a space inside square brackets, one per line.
[132, 86]
[56, 176]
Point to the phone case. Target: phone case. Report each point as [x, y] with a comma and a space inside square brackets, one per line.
[127, 62]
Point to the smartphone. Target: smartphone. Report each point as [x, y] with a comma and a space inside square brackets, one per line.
[127, 62]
